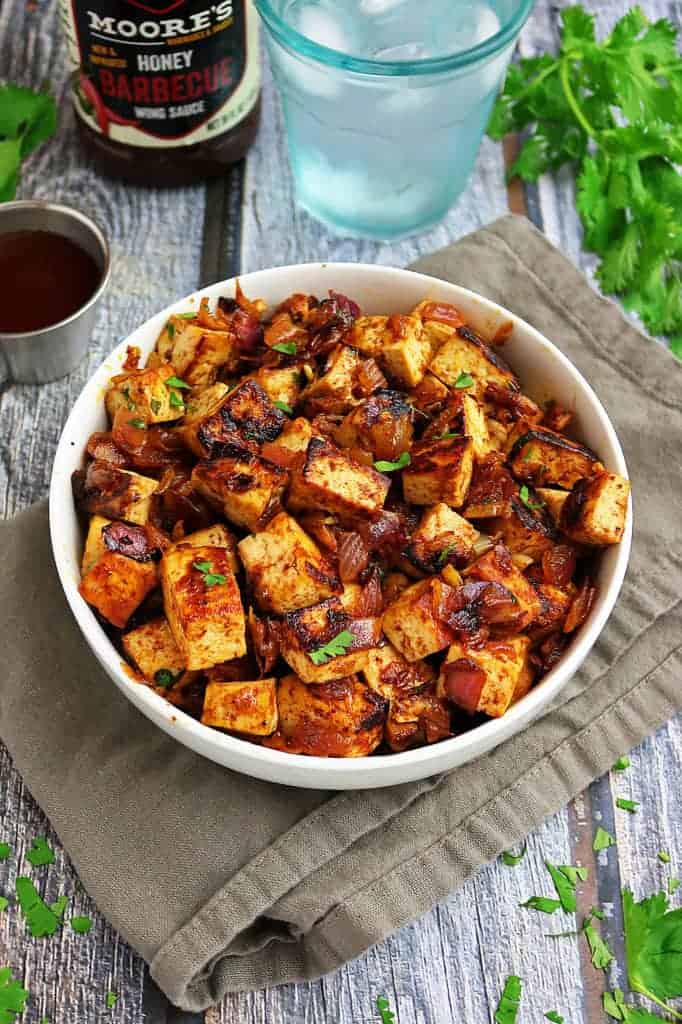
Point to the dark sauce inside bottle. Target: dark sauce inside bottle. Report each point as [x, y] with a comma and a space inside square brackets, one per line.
[44, 278]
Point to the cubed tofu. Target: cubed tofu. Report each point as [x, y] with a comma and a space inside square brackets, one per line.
[334, 387]
[285, 568]
[553, 500]
[94, 543]
[245, 488]
[466, 353]
[245, 707]
[116, 586]
[389, 674]
[166, 339]
[296, 435]
[405, 351]
[145, 394]
[343, 718]
[414, 622]
[429, 394]
[104, 489]
[491, 490]
[595, 510]
[525, 530]
[306, 631]
[497, 566]
[206, 617]
[541, 456]
[416, 715]
[484, 679]
[439, 471]
[330, 479]
[197, 352]
[443, 536]
[153, 650]
[367, 334]
[216, 536]
[244, 418]
[462, 414]
[554, 605]
[280, 383]
[440, 320]
[381, 425]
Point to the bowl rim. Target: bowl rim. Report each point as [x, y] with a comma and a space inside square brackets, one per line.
[330, 772]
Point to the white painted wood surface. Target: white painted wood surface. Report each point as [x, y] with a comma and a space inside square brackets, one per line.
[449, 966]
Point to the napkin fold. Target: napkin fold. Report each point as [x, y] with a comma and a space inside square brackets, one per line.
[225, 883]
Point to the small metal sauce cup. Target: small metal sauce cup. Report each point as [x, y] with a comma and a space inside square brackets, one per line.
[35, 357]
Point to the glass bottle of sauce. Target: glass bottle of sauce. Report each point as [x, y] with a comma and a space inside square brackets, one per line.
[167, 92]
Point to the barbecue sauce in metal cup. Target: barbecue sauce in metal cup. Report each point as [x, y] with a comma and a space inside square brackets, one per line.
[166, 91]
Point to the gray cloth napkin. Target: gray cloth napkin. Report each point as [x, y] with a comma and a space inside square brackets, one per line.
[224, 883]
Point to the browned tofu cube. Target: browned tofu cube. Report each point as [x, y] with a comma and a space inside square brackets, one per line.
[416, 714]
[463, 415]
[333, 390]
[343, 718]
[203, 605]
[285, 568]
[439, 471]
[484, 679]
[246, 488]
[553, 501]
[554, 605]
[216, 536]
[442, 537]
[244, 418]
[201, 407]
[146, 395]
[389, 674]
[197, 352]
[527, 529]
[332, 480]
[116, 586]
[429, 395]
[540, 456]
[154, 652]
[245, 707]
[440, 320]
[595, 510]
[94, 543]
[280, 383]
[295, 437]
[491, 490]
[466, 353]
[415, 621]
[104, 489]
[323, 642]
[405, 351]
[367, 334]
[381, 425]
[497, 566]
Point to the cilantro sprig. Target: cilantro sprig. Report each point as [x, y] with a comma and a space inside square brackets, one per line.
[464, 380]
[653, 948]
[27, 118]
[210, 578]
[334, 648]
[40, 853]
[5, 851]
[512, 859]
[12, 997]
[510, 1000]
[384, 466]
[385, 1012]
[612, 108]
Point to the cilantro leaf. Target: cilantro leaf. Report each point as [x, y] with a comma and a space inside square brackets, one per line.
[565, 885]
[287, 347]
[210, 578]
[510, 1000]
[512, 859]
[10, 159]
[12, 997]
[545, 904]
[176, 382]
[164, 677]
[155, 405]
[283, 407]
[524, 495]
[335, 648]
[111, 1000]
[187, 316]
[387, 1016]
[137, 422]
[176, 400]
[4, 903]
[445, 554]
[621, 764]
[170, 329]
[599, 950]
[653, 947]
[555, 1017]
[387, 467]
[464, 380]
[627, 805]
[27, 118]
[59, 906]
[602, 840]
[41, 920]
[664, 857]
[673, 885]
[81, 925]
[5, 851]
[40, 853]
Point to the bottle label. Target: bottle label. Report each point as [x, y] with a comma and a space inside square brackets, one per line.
[162, 73]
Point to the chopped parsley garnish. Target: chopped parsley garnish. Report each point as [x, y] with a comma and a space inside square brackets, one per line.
[627, 805]
[4, 903]
[176, 382]
[287, 347]
[387, 1015]
[111, 1000]
[602, 840]
[81, 925]
[210, 578]
[508, 1006]
[12, 997]
[387, 467]
[41, 920]
[621, 764]
[336, 647]
[176, 400]
[664, 857]
[155, 405]
[555, 1017]
[512, 859]
[465, 380]
[5, 851]
[545, 904]
[164, 677]
[137, 422]
[126, 394]
[40, 853]
[524, 495]
[170, 329]
[283, 407]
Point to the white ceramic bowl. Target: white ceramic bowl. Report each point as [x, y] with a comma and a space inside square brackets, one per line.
[544, 372]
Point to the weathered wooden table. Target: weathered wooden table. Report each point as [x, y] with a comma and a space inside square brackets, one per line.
[450, 965]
